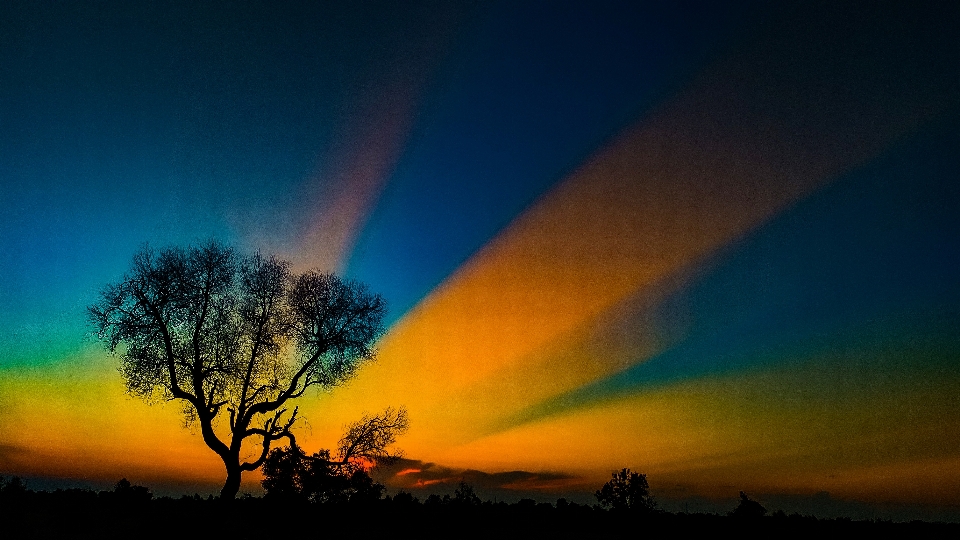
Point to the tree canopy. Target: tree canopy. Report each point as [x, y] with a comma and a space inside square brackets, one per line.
[237, 337]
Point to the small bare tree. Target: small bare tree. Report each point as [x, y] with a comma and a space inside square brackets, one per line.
[368, 439]
[236, 338]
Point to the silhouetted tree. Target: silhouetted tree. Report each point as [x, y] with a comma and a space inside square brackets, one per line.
[405, 499]
[748, 508]
[241, 335]
[435, 500]
[124, 491]
[368, 440]
[291, 475]
[465, 495]
[284, 472]
[288, 473]
[362, 488]
[627, 491]
[13, 488]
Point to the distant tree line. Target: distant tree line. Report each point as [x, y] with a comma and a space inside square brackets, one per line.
[350, 503]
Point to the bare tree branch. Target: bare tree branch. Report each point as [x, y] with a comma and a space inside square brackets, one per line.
[370, 437]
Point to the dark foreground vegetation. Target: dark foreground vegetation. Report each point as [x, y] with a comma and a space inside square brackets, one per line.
[130, 511]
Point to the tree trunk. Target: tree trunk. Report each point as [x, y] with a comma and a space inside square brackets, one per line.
[232, 485]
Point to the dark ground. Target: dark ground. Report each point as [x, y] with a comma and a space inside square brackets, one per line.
[136, 514]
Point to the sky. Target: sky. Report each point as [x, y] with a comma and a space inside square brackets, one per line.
[717, 244]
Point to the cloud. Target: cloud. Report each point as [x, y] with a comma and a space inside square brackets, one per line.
[427, 478]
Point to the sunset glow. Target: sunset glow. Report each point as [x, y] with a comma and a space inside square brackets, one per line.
[718, 249]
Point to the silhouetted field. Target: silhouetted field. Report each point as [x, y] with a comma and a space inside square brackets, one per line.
[134, 513]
